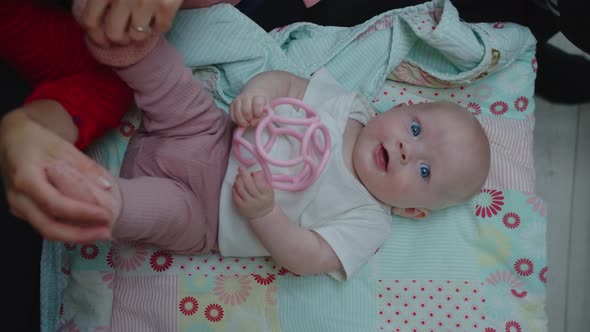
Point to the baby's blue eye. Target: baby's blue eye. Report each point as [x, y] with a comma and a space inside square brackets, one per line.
[415, 128]
[424, 171]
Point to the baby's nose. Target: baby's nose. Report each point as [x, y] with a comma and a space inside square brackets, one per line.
[403, 152]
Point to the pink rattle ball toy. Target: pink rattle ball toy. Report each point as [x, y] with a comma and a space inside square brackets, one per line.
[313, 153]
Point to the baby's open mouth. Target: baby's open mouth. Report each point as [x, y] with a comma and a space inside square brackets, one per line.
[382, 158]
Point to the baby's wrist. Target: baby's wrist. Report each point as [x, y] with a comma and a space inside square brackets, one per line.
[264, 217]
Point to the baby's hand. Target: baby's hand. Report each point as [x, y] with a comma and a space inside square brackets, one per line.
[247, 109]
[252, 194]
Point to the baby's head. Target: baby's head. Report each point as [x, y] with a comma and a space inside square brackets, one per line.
[423, 157]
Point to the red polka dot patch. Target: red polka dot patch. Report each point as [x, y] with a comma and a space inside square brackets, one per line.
[214, 265]
[430, 305]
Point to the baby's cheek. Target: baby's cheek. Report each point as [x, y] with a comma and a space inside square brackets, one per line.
[405, 179]
[408, 189]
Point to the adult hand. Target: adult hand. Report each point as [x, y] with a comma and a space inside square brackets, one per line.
[121, 22]
[25, 148]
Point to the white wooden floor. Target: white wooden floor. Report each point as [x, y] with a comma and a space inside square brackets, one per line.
[562, 161]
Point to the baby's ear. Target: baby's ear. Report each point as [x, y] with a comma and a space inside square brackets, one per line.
[412, 213]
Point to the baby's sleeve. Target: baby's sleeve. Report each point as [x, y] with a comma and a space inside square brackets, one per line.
[354, 238]
[361, 111]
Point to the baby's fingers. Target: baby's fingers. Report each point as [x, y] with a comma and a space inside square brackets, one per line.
[241, 187]
[261, 183]
[236, 112]
[247, 111]
[238, 199]
[232, 109]
[258, 103]
[249, 184]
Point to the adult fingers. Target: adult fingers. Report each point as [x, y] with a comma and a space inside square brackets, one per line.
[14, 203]
[88, 167]
[92, 19]
[116, 22]
[142, 16]
[52, 229]
[71, 183]
[55, 204]
[165, 14]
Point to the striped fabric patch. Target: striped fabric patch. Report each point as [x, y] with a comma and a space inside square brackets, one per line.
[145, 303]
[512, 153]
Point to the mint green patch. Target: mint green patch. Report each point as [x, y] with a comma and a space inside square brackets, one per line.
[439, 247]
[87, 257]
[330, 305]
[514, 261]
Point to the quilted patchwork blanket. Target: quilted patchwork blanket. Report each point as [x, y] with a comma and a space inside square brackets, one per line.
[480, 266]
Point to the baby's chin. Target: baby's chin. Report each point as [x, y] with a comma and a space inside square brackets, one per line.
[461, 195]
[450, 197]
[438, 205]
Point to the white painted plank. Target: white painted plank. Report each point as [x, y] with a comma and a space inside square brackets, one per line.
[559, 40]
[578, 300]
[554, 148]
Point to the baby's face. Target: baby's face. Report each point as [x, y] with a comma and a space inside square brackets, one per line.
[429, 155]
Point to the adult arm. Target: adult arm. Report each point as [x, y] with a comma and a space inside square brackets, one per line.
[46, 46]
[115, 22]
[29, 140]
[74, 99]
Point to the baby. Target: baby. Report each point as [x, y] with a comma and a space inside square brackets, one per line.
[181, 189]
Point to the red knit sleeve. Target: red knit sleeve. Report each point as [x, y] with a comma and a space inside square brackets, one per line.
[96, 99]
[46, 46]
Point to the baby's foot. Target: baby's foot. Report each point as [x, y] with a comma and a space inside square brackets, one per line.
[103, 192]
